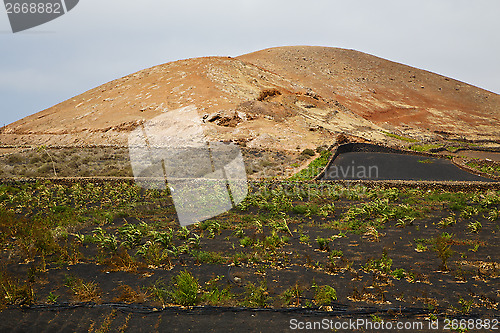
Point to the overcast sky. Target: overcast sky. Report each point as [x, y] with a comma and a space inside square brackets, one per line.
[99, 41]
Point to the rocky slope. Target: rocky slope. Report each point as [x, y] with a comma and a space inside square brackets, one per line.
[285, 98]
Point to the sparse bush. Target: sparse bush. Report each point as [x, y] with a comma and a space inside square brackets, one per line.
[15, 292]
[335, 254]
[308, 152]
[382, 265]
[83, 291]
[257, 296]
[474, 226]
[399, 273]
[323, 244]
[268, 93]
[324, 295]
[292, 295]
[442, 246]
[216, 296]
[447, 222]
[185, 289]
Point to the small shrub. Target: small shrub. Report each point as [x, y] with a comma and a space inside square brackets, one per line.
[185, 289]
[126, 294]
[257, 296]
[336, 254]
[323, 244]
[83, 291]
[246, 241]
[399, 273]
[216, 296]
[447, 222]
[292, 295]
[308, 152]
[268, 93]
[15, 292]
[442, 246]
[383, 264]
[324, 295]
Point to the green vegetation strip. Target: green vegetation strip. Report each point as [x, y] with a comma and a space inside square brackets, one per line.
[314, 168]
[493, 170]
[399, 137]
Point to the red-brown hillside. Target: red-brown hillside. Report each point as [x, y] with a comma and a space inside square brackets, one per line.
[283, 98]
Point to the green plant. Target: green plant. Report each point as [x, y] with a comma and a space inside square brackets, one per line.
[83, 291]
[183, 233]
[474, 248]
[160, 291]
[105, 241]
[335, 254]
[324, 295]
[474, 226]
[421, 247]
[164, 238]
[399, 273]
[327, 210]
[194, 241]
[304, 238]
[274, 241]
[154, 254]
[447, 221]
[52, 298]
[465, 306]
[209, 257]
[468, 212]
[493, 215]
[382, 265]
[399, 137]
[240, 232]
[280, 225]
[306, 210]
[323, 244]
[257, 296]
[216, 296]
[213, 227]
[132, 236]
[246, 241]
[442, 246]
[405, 221]
[185, 289]
[292, 295]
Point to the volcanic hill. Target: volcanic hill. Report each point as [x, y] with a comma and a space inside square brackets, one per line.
[284, 98]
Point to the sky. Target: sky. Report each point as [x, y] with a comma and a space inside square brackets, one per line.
[99, 41]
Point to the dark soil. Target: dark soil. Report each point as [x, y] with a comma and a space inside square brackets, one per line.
[384, 268]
